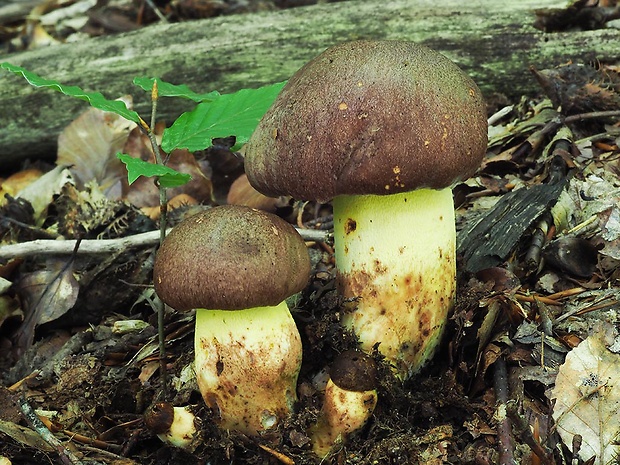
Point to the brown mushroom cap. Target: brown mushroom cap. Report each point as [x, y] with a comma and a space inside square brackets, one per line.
[369, 117]
[229, 258]
[354, 370]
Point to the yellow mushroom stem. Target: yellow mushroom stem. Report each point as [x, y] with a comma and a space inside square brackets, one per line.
[177, 426]
[343, 413]
[396, 254]
[183, 431]
[247, 363]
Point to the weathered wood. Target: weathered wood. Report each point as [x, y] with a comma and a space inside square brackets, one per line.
[489, 242]
[493, 40]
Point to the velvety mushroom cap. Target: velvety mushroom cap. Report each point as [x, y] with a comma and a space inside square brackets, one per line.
[369, 117]
[230, 258]
[354, 370]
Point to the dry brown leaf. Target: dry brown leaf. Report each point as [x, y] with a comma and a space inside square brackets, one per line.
[587, 400]
[25, 436]
[50, 292]
[16, 182]
[89, 146]
[144, 193]
[40, 38]
[177, 201]
[243, 193]
[40, 193]
[9, 308]
[45, 296]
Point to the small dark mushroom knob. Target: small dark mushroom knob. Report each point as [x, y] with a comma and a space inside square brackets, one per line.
[354, 370]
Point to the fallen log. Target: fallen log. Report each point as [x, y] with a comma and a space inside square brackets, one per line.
[493, 40]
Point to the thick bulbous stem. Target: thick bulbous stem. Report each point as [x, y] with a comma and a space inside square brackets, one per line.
[182, 432]
[396, 253]
[247, 363]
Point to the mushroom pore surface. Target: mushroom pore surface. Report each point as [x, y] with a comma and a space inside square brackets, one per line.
[230, 257]
[369, 117]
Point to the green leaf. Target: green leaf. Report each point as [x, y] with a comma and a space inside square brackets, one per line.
[235, 114]
[167, 176]
[95, 99]
[165, 89]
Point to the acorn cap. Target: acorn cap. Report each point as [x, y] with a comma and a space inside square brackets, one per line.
[230, 258]
[369, 117]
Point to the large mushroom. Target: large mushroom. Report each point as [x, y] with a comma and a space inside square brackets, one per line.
[384, 128]
[236, 266]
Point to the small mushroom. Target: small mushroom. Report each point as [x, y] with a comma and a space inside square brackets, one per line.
[173, 425]
[349, 401]
[235, 266]
[384, 128]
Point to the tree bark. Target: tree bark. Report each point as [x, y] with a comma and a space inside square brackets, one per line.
[493, 40]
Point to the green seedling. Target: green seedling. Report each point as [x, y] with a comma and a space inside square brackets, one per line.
[215, 116]
[95, 99]
[236, 114]
[167, 176]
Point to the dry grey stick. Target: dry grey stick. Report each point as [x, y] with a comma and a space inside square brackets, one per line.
[506, 444]
[102, 246]
[66, 456]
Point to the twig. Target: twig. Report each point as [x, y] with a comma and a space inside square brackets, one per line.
[159, 14]
[285, 459]
[566, 293]
[534, 297]
[66, 456]
[77, 437]
[98, 246]
[534, 252]
[44, 247]
[163, 216]
[499, 115]
[504, 432]
[591, 115]
[20, 383]
[522, 428]
[599, 304]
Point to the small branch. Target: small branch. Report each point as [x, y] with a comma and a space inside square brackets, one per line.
[592, 115]
[163, 216]
[528, 298]
[538, 241]
[504, 431]
[155, 9]
[66, 456]
[45, 247]
[522, 429]
[103, 246]
[77, 437]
